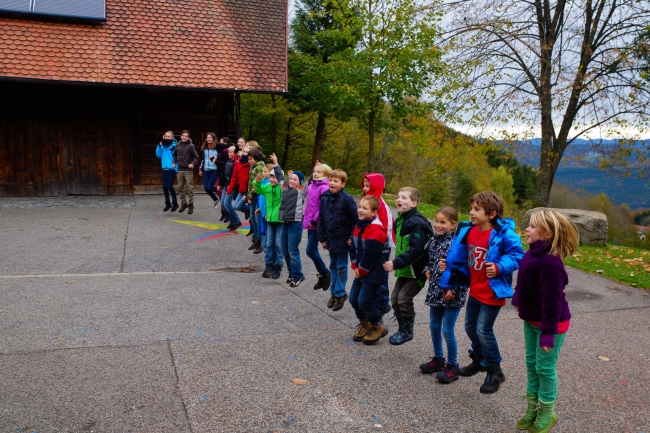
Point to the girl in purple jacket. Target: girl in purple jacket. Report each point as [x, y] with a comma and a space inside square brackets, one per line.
[318, 184]
[539, 298]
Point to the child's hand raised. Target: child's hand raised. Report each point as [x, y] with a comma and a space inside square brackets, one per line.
[274, 159]
[442, 264]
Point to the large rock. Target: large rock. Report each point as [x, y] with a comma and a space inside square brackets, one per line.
[592, 226]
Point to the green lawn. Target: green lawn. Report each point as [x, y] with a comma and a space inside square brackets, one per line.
[627, 265]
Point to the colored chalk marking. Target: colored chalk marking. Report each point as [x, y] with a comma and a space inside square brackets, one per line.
[217, 231]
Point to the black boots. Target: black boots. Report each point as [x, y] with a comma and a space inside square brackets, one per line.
[268, 272]
[253, 244]
[174, 206]
[493, 379]
[168, 206]
[474, 367]
[405, 331]
[324, 281]
[277, 270]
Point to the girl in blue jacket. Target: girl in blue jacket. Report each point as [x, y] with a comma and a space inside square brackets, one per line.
[166, 152]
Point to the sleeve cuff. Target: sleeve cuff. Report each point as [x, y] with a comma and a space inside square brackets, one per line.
[547, 340]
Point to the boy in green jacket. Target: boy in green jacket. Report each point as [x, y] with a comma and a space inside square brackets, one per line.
[412, 232]
[273, 194]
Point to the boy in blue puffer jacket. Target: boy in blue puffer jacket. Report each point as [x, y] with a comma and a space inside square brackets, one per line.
[483, 256]
[166, 152]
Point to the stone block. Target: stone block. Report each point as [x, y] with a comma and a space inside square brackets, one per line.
[591, 225]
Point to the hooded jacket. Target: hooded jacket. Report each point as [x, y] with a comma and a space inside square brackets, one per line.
[377, 186]
[167, 155]
[186, 154]
[254, 170]
[412, 231]
[272, 195]
[368, 241]
[313, 193]
[239, 179]
[206, 162]
[539, 295]
[504, 250]
[336, 220]
[291, 207]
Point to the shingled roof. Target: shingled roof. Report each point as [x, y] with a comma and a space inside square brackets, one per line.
[217, 44]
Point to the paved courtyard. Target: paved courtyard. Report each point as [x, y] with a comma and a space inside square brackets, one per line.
[117, 317]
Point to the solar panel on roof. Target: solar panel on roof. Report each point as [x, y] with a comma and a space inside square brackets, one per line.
[94, 10]
[91, 9]
[16, 5]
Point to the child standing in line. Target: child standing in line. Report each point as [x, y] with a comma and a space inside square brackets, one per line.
[273, 196]
[220, 160]
[226, 199]
[237, 189]
[208, 167]
[444, 304]
[368, 242]
[260, 213]
[484, 254]
[374, 184]
[540, 300]
[166, 152]
[256, 162]
[318, 184]
[337, 217]
[412, 231]
[291, 214]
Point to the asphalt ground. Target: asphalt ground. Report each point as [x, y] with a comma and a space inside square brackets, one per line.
[127, 319]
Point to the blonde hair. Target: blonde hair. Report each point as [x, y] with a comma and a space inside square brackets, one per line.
[414, 193]
[325, 168]
[253, 144]
[564, 237]
[339, 174]
[169, 133]
[372, 201]
[232, 149]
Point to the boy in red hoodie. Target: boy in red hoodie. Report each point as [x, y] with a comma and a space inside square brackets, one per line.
[373, 184]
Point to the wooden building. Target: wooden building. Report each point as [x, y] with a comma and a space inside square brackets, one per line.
[86, 99]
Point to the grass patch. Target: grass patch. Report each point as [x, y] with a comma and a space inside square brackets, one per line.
[624, 264]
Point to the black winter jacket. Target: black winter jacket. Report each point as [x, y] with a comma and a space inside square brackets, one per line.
[336, 220]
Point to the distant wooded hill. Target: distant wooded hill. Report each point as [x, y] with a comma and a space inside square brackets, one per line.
[579, 170]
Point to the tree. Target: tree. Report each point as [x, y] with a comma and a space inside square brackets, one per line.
[392, 58]
[313, 41]
[565, 66]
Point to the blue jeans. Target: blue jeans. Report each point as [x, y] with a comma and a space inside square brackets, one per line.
[168, 177]
[444, 319]
[312, 252]
[254, 220]
[383, 294]
[209, 179]
[291, 237]
[227, 201]
[339, 271]
[273, 254]
[363, 298]
[479, 325]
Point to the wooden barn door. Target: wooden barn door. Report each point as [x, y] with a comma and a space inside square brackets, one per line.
[83, 155]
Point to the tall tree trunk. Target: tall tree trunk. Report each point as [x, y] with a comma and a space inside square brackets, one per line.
[317, 154]
[287, 142]
[274, 129]
[371, 141]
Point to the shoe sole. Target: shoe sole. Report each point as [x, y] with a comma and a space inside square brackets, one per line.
[336, 307]
[371, 342]
[296, 283]
[446, 382]
[257, 251]
[492, 392]
[431, 371]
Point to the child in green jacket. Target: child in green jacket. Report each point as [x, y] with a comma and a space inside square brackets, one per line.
[273, 194]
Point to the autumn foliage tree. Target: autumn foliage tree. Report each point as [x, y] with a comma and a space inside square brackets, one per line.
[558, 67]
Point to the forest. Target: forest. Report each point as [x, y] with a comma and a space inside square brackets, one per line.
[388, 85]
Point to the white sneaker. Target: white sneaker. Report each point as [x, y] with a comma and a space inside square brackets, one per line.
[216, 204]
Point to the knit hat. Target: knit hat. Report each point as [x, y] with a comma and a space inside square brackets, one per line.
[301, 176]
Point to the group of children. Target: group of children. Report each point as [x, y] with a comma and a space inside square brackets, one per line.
[468, 264]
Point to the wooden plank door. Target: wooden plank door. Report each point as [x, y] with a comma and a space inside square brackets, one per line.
[84, 164]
